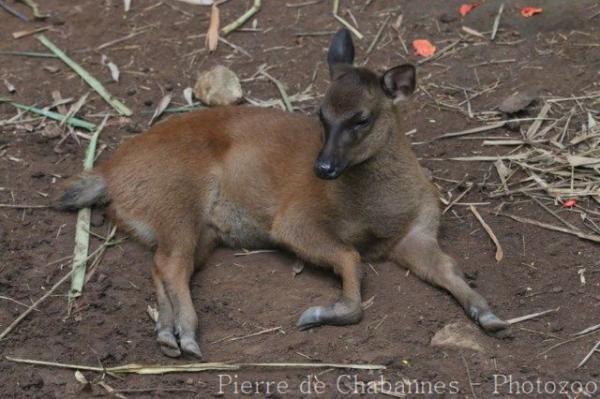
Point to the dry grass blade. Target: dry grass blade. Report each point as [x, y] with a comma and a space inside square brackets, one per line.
[497, 22]
[23, 206]
[470, 131]
[243, 18]
[12, 11]
[587, 330]
[35, 8]
[535, 126]
[199, 2]
[82, 235]
[55, 115]
[212, 35]
[281, 88]
[255, 334]
[196, 367]
[126, 5]
[531, 316]
[336, 7]
[87, 77]
[490, 232]
[458, 198]
[589, 355]
[589, 237]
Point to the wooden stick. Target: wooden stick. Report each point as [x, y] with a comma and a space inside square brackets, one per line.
[490, 232]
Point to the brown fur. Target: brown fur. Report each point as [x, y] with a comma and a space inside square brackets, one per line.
[243, 177]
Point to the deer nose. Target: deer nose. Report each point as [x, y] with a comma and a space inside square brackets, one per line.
[325, 169]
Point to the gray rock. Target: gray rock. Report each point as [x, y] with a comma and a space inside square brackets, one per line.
[459, 336]
[517, 101]
[218, 86]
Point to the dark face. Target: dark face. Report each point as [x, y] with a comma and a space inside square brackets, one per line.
[356, 114]
[348, 116]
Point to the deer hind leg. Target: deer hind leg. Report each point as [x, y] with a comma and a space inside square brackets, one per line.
[419, 251]
[174, 268]
[314, 245]
[165, 325]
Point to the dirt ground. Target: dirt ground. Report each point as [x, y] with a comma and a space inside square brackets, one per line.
[236, 296]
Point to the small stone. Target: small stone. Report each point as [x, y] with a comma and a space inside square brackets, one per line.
[447, 18]
[517, 102]
[218, 86]
[458, 336]
[97, 219]
[51, 68]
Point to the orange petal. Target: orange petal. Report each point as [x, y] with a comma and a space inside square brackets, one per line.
[423, 47]
[467, 8]
[530, 11]
[570, 203]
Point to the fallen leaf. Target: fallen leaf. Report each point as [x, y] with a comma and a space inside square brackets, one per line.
[9, 86]
[467, 8]
[530, 11]
[162, 105]
[188, 93]
[424, 48]
[152, 312]
[80, 377]
[570, 203]
[212, 36]
[114, 70]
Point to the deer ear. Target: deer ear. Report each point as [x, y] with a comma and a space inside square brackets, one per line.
[399, 82]
[341, 50]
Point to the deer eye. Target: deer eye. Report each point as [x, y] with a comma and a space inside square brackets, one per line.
[364, 122]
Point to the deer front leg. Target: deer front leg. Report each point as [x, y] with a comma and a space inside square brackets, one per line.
[419, 251]
[314, 244]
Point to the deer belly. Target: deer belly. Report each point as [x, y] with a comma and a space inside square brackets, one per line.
[236, 227]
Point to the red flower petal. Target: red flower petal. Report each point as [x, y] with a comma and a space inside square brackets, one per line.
[530, 11]
[570, 203]
[423, 47]
[467, 8]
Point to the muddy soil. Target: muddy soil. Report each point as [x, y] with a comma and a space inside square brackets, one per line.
[554, 53]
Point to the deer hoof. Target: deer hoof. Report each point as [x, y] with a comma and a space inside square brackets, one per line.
[488, 321]
[340, 313]
[168, 343]
[312, 317]
[189, 346]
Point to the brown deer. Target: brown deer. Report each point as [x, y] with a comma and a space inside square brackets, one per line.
[334, 193]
